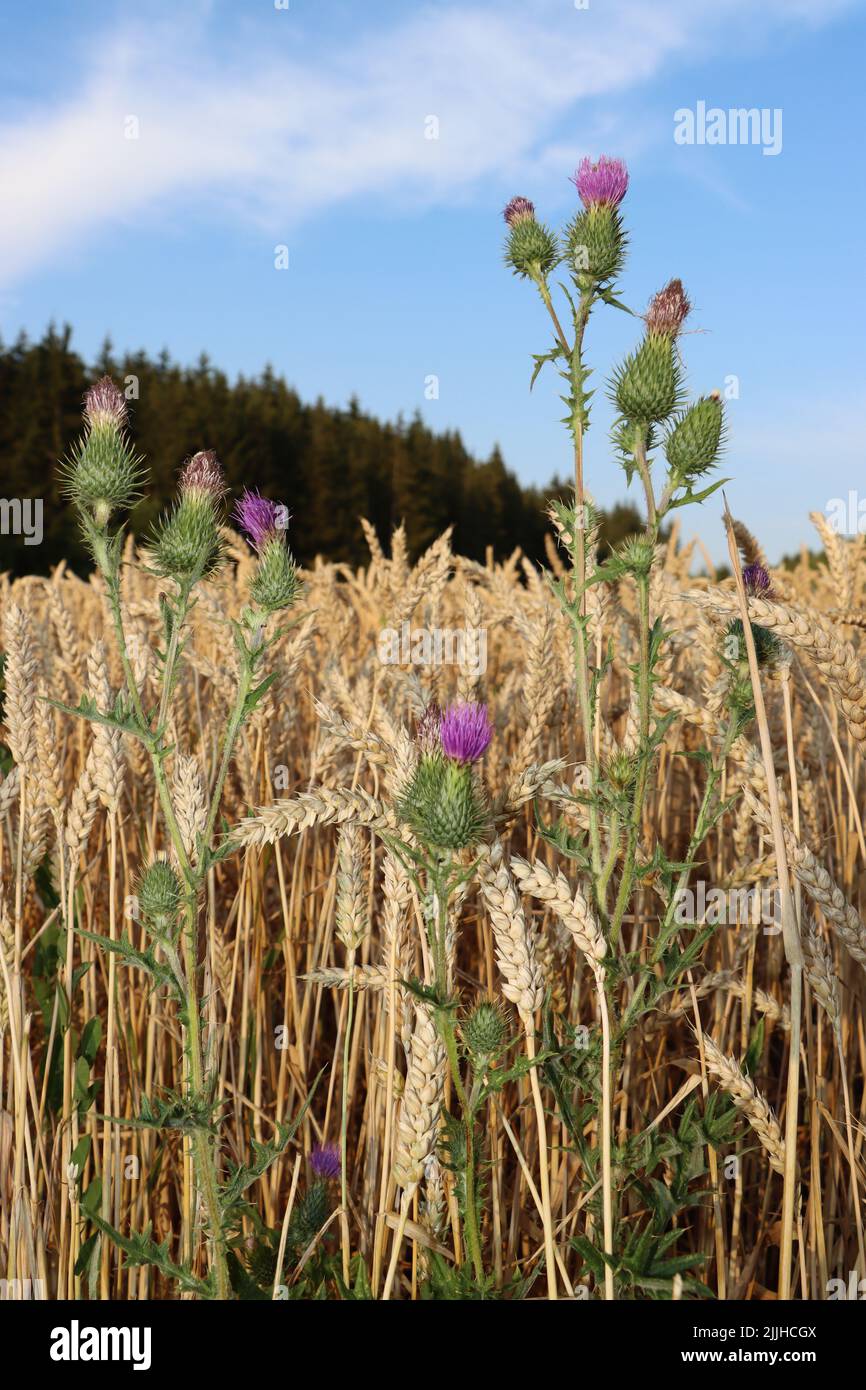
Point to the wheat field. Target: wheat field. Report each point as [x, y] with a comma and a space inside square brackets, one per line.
[313, 955]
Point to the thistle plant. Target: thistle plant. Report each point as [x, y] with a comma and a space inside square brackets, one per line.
[444, 805]
[493, 936]
[102, 478]
[656, 429]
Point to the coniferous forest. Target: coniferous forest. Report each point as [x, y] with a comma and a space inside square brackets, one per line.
[330, 466]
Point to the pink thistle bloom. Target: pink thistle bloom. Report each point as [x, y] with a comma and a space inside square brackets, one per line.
[258, 517]
[604, 182]
[325, 1161]
[518, 210]
[756, 581]
[105, 404]
[203, 473]
[466, 732]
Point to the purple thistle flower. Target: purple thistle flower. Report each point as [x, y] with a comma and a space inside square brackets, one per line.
[466, 732]
[105, 404]
[604, 182]
[325, 1161]
[756, 581]
[518, 210]
[429, 729]
[258, 517]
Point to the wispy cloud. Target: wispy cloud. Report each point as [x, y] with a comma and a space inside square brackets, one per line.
[276, 133]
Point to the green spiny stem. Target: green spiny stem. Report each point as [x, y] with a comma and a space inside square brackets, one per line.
[439, 922]
[473, 1237]
[643, 469]
[235, 721]
[577, 376]
[610, 862]
[625, 887]
[544, 291]
[156, 753]
[344, 1118]
[205, 1162]
[178, 620]
[669, 928]
[579, 416]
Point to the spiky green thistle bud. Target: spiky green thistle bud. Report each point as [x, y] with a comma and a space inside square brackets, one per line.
[636, 555]
[443, 803]
[275, 584]
[769, 651]
[186, 544]
[620, 770]
[159, 895]
[485, 1031]
[646, 387]
[309, 1216]
[695, 441]
[596, 245]
[103, 472]
[262, 1263]
[531, 249]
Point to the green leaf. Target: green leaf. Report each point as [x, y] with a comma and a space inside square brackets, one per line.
[610, 298]
[541, 359]
[91, 1037]
[592, 1257]
[141, 960]
[697, 496]
[243, 1175]
[141, 1249]
[258, 694]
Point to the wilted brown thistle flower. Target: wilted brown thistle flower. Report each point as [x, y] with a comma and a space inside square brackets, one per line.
[668, 310]
[105, 404]
[203, 473]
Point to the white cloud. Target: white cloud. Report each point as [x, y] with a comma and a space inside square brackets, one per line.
[277, 132]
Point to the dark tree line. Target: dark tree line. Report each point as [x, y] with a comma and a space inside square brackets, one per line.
[329, 466]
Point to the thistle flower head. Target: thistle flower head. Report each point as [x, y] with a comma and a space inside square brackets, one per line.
[465, 732]
[258, 517]
[105, 404]
[429, 729]
[159, 894]
[531, 249]
[444, 803]
[769, 651]
[668, 309]
[102, 472]
[186, 544]
[604, 182]
[518, 210]
[756, 581]
[325, 1161]
[485, 1031]
[203, 473]
[620, 770]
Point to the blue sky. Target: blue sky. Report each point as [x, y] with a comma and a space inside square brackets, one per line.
[260, 126]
